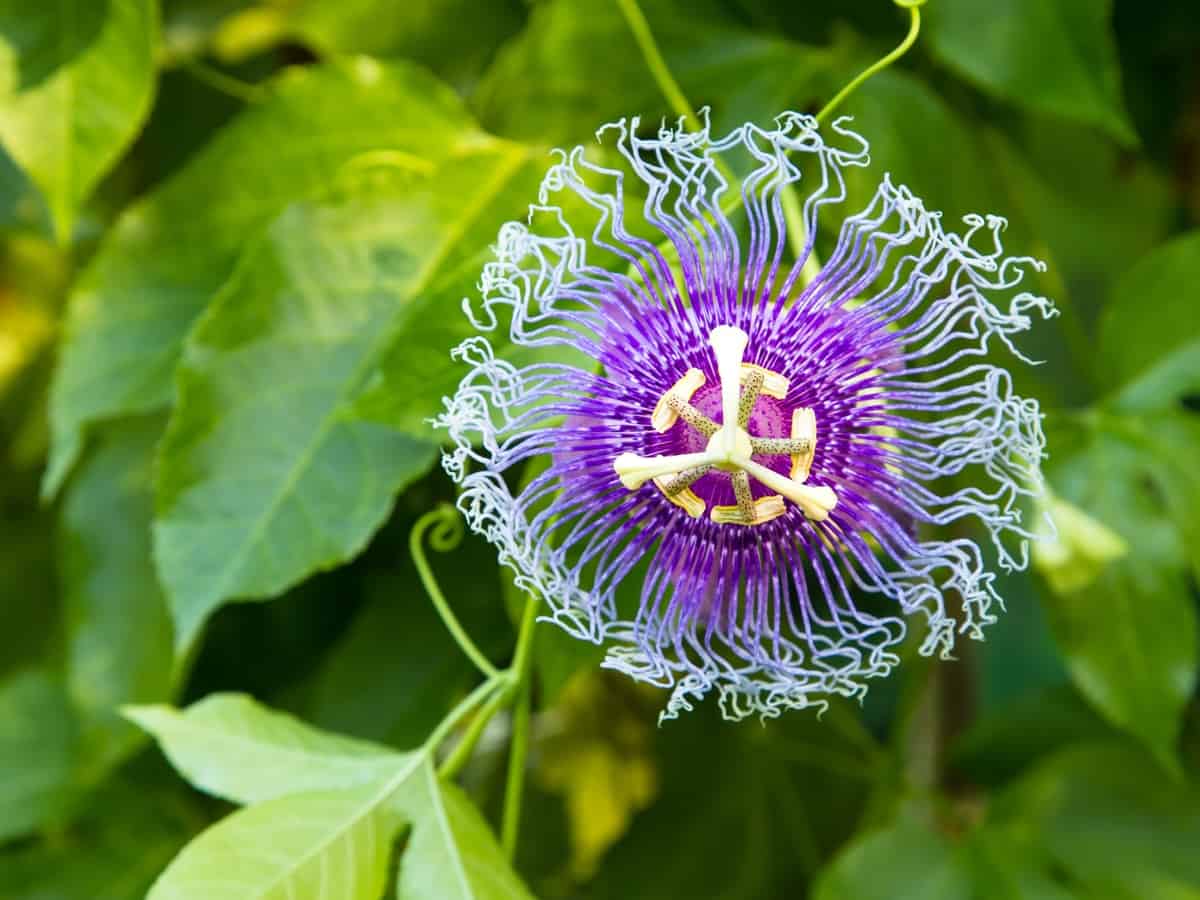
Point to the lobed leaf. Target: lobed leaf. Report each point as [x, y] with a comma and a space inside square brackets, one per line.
[452, 854]
[316, 845]
[276, 461]
[170, 252]
[233, 747]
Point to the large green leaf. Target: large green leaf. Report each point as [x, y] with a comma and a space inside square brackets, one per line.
[1130, 639]
[452, 854]
[170, 252]
[76, 82]
[229, 745]
[576, 66]
[118, 629]
[455, 38]
[905, 861]
[1055, 56]
[1111, 819]
[270, 470]
[307, 846]
[39, 741]
[1150, 333]
[325, 810]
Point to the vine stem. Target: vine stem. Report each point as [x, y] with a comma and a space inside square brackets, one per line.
[914, 28]
[515, 782]
[792, 213]
[463, 707]
[447, 534]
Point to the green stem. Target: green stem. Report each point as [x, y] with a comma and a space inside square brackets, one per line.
[793, 216]
[446, 536]
[464, 706]
[515, 782]
[223, 82]
[914, 28]
[662, 74]
[461, 754]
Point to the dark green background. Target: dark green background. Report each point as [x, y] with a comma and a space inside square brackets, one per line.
[233, 242]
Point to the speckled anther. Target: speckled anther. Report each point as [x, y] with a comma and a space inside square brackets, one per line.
[676, 399]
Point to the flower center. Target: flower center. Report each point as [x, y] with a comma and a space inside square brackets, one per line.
[730, 447]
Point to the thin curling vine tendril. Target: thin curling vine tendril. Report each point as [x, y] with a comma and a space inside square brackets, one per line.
[501, 687]
[446, 535]
[674, 95]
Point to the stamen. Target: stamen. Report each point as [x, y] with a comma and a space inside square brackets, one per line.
[774, 384]
[692, 416]
[752, 385]
[685, 498]
[729, 344]
[815, 502]
[665, 414]
[804, 428]
[682, 481]
[634, 470]
[780, 446]
[748, 511]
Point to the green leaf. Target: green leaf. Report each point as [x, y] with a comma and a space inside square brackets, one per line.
[170, 252]
[455, 38]
[76, 83]
[906, 860]
[546, 85]
[1130, 638]
[230, 746]
[1150, 333]
[452, 854]
[118, 629]
[306, 846]
[325, 811]
[270, 469]
[1054, 56]
[39, 740]
[1111, 819]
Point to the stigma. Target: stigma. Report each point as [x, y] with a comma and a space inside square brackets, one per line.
[729, 447]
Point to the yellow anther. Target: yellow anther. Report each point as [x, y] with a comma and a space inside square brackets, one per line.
[664, 416]
[765, 509]
[774, 384]
[804, 428]
[686, 499]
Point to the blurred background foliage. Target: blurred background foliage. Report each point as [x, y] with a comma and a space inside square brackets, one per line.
[233, 240]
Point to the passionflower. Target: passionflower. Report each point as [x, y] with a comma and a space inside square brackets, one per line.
[734, 475]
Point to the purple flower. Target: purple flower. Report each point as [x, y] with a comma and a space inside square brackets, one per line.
[726, 462]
